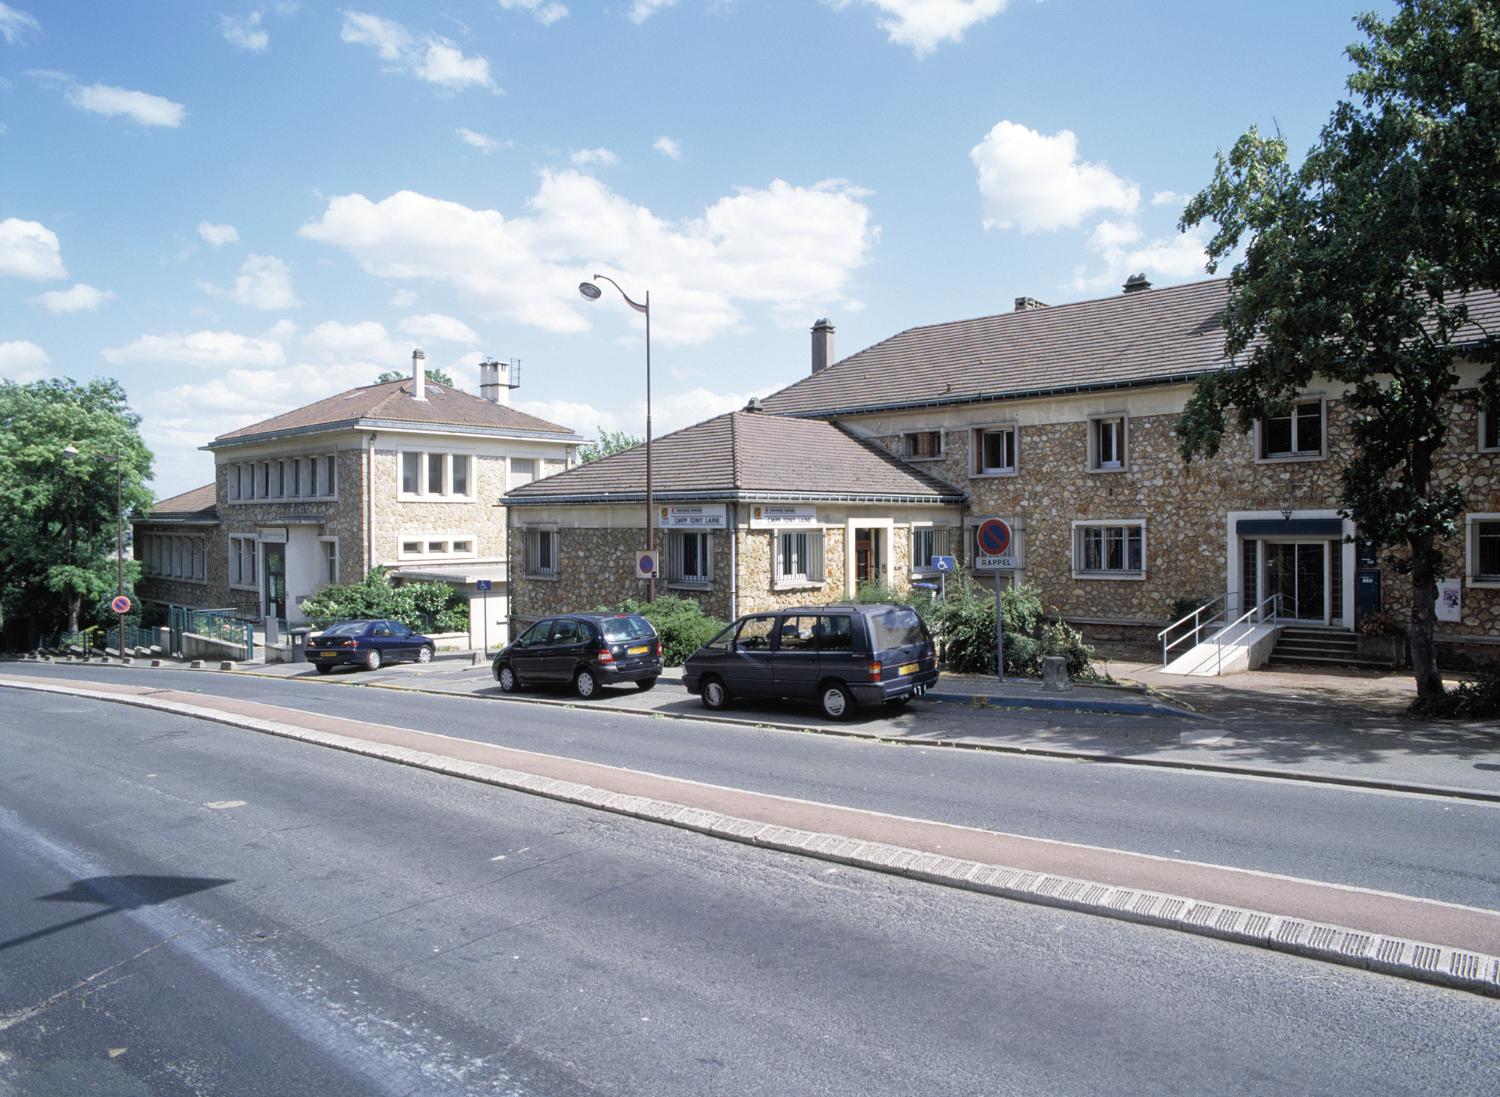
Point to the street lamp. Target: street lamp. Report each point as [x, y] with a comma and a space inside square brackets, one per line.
[119, 459]
[592, 292]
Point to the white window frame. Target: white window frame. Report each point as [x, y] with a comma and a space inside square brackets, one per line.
[1094, 459]
[979, 468]
[676, 553]
[1295, 454]
[807, 568]
[944, 539]
[236, 547]
[1472, 523]
[446, 541]
[1489, 419]
[531, 552]
[1079, 572]
[907, 436]
[510, 472]
[283, 478]
[324, 561]
[425, 458]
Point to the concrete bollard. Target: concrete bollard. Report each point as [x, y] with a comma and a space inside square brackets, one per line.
[476, 658]
[156, 662]
[196, 664]
[1055, 674]
[226, 665]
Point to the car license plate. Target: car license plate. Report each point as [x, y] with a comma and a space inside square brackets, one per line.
[325, 654]
[640, 649]
[909, 668]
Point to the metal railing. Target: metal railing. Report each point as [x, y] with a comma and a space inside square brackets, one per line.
[224, 626]
[1250, 618]
[1206, 616]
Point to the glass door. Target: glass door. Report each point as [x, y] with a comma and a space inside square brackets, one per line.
[276, 581]
[869, 567]
[1298, 571]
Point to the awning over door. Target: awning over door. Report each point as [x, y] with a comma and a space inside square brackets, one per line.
[1290, 527]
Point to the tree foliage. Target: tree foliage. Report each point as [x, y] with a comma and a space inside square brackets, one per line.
[609, 442]
[680, 622]
[1357, 267]
[435, 376]
[425, 607]
[59, 513]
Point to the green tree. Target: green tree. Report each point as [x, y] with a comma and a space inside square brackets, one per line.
[1356, 267]
[59, 513]
[609, 442]
[434, 376]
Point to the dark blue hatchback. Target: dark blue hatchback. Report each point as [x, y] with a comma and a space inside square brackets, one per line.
[368, 644]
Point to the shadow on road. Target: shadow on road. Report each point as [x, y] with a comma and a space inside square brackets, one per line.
[114, 894]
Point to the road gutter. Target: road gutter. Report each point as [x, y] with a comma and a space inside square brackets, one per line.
[1403, 957]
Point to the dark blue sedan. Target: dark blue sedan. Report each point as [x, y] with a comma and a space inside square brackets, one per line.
[368, 644]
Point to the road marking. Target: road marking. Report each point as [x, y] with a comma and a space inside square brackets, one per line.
[221, 805]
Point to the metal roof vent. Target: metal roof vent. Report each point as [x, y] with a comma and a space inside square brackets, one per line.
[1136, 283]
[754, 404]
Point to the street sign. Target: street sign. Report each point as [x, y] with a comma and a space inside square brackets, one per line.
[120, 604]
[645, 565]
[483, 584]
[944, 563]
[992, 541]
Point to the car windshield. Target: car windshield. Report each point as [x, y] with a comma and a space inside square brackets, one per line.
[617, 630]
[897, 627]
[347, 628]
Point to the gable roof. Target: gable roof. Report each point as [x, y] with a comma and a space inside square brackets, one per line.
[390, 403]
[745, 455]
[1154, 336]
[199, 504]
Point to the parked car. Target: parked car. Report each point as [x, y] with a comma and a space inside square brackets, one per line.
[839, 656]
[368, 644]
[591, 650]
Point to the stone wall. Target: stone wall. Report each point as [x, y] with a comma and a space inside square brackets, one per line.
[342, 517]
[596, 567]
[397, 519]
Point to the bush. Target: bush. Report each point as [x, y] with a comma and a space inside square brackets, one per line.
[1380, 624]
[680, 622]
[425, 607]
[1476, 700]
[964, 625]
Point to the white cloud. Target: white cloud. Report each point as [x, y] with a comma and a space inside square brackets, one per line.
[16, 26]
[1114, 234]
[23, 361]
[264, 282]
[601, 156]
[792, 248]
[434, 325]
[218, 235]
[81, 298]
[1169, 198]
[667, 147]
[641, 10]
[403, 299]
[246, 31]
[212, 349]
[29, 249]
[1036, 182]
[366, 344]
[432, 58]
[926, 24]
[671, 410]
[139, 106]
[1123, 253]
[480, 141]
[546, 12]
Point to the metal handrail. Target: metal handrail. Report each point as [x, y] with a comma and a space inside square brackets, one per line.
[1243, 619]
[1198, 626]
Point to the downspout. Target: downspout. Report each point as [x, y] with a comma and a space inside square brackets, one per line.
[370, 503]
[510, 589]
[734, 568]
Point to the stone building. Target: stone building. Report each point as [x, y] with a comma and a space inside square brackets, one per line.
[1063, 421]
[403, 474]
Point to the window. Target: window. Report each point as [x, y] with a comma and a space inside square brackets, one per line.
[312, 477]
[535, 636]
[297, 478]
[242, 571]
[411, 473]
[411, 548]
[755, 634]
[927, 542]
[437, 546]
[799, 556]
[330, 476]
[1484, 549]
[437, 483]
[463, 548]
[460, 466]
[541, 552]
[232, 483]
[922, 444]
[1298, 433]
[1107, 550]
[799, 634]
[565, 631]
[1107, 444]
[522, 471]
[435, 475]
[1489, 428]
[330, 561]
[995, 451]
[689, 557]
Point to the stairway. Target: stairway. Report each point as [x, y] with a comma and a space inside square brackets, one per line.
[1304, 645]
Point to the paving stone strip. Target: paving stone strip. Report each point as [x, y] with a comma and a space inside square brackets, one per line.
[1414, 938]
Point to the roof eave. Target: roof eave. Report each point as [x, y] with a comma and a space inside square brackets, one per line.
[742, 495]
[518, 433]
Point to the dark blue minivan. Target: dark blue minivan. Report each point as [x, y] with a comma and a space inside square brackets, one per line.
[839, 656]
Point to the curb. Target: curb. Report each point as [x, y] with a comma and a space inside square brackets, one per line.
[1402, 957]
[1081, 704]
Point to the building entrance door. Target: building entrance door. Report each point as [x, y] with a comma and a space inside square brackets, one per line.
[276, 581]
[1298, 571]
[869, 565]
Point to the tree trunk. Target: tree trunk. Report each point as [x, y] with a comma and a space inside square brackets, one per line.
[1424, 564]
[74, 601]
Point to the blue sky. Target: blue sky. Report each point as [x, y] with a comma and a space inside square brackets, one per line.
[236, 210]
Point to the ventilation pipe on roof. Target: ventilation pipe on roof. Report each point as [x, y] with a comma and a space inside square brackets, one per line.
[754, 404]
[418, 376]
[496, 379]
[1026, 304]
[822, 345]
[1136, 283]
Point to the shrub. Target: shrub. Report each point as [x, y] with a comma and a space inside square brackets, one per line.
[964, 625]
[1381, 623]
[1476, 700]
[426, 607]
[680, 622]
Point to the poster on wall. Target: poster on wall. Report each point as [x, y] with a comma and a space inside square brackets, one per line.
[704, 516]
[763, 516]
[1450, 606]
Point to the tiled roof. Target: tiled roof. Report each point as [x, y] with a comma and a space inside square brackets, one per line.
[392, 402]
[745, 454]
[198, 503]
[1150, 336]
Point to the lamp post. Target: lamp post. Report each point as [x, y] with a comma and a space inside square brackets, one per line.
[592, 292]
[119, 459]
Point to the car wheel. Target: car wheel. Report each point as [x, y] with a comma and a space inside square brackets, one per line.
[837, 702]
[715, 696]
[645, 683]
[372, 661]
[585, 684]
[323, 668]
[509, 683]
[424, 654]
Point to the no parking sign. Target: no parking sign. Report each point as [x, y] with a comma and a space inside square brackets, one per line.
[646, 565]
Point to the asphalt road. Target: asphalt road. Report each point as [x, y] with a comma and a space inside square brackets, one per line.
[278, 918]
[1414, 845]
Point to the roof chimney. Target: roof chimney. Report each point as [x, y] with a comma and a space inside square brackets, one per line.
[1026, 304]
[822, 345]
[418, 376]
[489, 380]
[754, 404]
[1137, 283]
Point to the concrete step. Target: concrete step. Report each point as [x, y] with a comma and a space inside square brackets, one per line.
[1279, 658]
